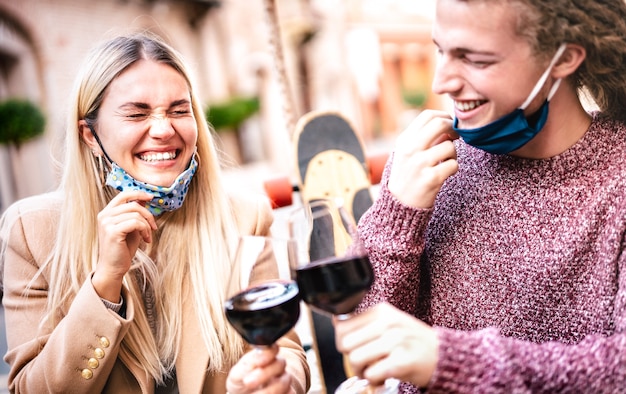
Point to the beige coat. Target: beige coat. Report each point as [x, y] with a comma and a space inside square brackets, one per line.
[87, 340]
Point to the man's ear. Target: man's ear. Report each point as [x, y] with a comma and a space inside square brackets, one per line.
[87, 136]
[569, 62]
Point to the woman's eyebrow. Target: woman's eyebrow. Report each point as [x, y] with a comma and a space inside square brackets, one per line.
[134, 105]
[176, 103]
[141, 105]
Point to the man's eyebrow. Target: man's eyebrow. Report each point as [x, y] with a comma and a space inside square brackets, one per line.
[465, 50]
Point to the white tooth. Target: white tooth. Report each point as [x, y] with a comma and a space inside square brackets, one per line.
[467, 105]
[159, 156]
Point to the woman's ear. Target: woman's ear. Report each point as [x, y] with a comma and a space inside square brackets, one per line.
[87, 136]
[569, 62]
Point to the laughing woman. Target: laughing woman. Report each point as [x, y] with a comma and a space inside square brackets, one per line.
[115, 282]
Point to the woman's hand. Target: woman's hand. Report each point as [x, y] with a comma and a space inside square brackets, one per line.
[259, 371]
[384, 342]
[122, 225]
[424, 157]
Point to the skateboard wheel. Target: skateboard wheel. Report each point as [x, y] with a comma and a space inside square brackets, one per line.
[376, 164]
[280, 191]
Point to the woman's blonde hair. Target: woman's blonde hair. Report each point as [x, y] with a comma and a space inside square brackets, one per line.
[195, 240]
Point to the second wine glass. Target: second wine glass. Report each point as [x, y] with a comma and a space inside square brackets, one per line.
[336, 274]
[264, 311]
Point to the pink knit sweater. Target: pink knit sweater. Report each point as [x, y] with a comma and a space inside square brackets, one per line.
[520, 266]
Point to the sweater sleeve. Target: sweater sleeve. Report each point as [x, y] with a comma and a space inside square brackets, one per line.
[393, 234]
[81, 349]
[485, 361]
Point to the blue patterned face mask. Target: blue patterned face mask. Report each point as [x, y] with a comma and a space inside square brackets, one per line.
[165, 198]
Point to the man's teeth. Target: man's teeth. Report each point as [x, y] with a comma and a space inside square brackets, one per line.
[158, 156]
[467, 105]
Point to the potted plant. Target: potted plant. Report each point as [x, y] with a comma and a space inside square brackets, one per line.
[226, 117]
[20, 121]
[230, 114]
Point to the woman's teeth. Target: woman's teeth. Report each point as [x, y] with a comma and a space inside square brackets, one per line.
[158, 156]
[467, 105]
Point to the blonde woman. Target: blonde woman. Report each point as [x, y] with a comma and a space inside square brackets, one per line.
[115, 282]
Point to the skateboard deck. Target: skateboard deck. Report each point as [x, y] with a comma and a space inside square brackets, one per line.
[316, 134]
[331, 162]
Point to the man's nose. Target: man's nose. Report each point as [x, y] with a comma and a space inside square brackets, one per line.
[447, 78]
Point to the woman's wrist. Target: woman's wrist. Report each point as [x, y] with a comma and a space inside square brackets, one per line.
[109, 290]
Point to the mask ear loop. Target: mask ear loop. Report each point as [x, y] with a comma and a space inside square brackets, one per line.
[544, 77]
[95, 135]
[101, 168]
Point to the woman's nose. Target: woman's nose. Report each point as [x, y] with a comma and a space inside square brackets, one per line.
[161, 126]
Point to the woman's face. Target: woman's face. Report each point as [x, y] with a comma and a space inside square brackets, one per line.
[483, 66]
[146, 124]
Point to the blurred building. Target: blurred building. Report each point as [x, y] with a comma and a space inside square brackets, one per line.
[371, 60]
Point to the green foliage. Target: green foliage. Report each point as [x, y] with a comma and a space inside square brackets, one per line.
[20, 120]
[415, 99]
[230, 114]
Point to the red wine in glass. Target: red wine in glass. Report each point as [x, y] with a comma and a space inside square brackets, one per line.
[264, 313]
[335, 285]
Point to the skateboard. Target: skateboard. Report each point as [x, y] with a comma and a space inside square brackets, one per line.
[331, 163]
[331, 166]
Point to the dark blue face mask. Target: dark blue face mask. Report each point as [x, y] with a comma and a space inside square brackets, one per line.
[512, 131]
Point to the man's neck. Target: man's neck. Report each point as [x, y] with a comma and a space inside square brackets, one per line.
[567, 122]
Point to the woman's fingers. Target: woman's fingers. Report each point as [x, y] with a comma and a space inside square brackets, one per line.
[259, 371]
[133, 201]
[126, 213]
[122, 225]
[263, 376]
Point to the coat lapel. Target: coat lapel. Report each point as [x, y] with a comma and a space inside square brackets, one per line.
[193, 359]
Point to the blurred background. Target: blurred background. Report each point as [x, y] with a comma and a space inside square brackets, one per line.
[258, 66]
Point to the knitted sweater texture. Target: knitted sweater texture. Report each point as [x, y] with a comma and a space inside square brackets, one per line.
[519, 267]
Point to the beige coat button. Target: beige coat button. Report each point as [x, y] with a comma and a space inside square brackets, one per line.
[93, 363]
[86, 374]
[104, 342]
[99, 353]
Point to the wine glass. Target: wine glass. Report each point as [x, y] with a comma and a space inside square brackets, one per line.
[337, 273]
[263, 312]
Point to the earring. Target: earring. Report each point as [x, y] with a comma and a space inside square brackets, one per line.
[100, 168]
